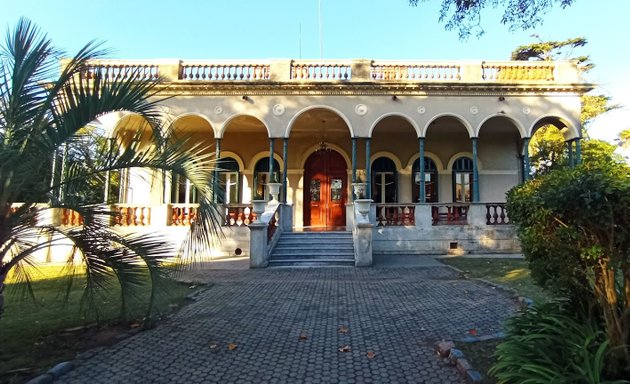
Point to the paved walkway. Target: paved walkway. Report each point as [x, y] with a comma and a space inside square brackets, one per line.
[288, 326]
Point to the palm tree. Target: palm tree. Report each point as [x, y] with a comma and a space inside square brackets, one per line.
[44, 113]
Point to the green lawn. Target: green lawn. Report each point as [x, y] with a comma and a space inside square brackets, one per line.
[511, 273]
[34, 335]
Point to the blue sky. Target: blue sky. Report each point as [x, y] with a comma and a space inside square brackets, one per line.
[374, 29]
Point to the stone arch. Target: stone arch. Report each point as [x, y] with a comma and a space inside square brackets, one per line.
[517, 124]
[459, 118]
[233, 117]
[193, 116]
[318, 106]
[262, 155]
[413, 124]
[235, 156]
[431, 155]
[388, 155]
[573, 128]
[456, 156]
[314, 148]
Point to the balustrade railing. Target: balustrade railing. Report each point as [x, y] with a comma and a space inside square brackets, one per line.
[496, 214]
[274, 222]
[321, 71]
[395, 214]
[415, 72]
[521, 71]
[129, 215]
[70, 217]
[183, 214]
[238, 215]
[449, 214]
[338, 71]
[224, 71]
[123, 71]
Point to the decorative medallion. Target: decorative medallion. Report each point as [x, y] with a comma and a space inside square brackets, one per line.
[526, 110]
[360, 109]
[474, 110]
[421, 109]
[218, 110]
[278, 109]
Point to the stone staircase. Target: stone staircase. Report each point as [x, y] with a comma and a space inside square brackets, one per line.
[310, 249]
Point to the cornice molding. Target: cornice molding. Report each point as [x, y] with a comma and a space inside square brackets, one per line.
[368, 89]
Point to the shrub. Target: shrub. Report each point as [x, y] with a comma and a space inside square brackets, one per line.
[574, 227]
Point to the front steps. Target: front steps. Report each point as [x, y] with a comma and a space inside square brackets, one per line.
[309, 249]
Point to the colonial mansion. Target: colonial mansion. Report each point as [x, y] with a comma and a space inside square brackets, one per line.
[350, 158]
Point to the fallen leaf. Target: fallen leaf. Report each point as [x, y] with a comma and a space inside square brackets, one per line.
[472, 332]
[371, 355]
[343, 329]
[213, 345]
[345, 348]
[302, 337]
[231, 346]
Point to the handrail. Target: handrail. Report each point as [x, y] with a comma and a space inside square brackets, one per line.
[395, 214]
[496, 214]
[238, 215]
[449, 213]
[340, 71]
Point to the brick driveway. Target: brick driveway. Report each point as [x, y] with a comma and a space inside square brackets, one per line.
[287, 326]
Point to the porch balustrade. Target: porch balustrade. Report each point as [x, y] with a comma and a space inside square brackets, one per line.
[183, 214]
[129, 215]
[273, 224]
[416, 72]
[236, 71]
[70, 218]
[496, 214]
[238, 215]
[472, 72]
[307, 70]
[449, 214]
[395, 215]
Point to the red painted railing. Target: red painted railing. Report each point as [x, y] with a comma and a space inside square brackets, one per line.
[238, 215]
[395, 214]
[183, 214]
[449, 214]
[132, 215]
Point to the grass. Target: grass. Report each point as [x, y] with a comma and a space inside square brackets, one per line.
[510, 273]
[36, 334]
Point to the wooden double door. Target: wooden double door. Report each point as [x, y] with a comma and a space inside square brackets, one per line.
[325, 190]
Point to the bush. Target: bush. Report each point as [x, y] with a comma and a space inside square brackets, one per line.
[574, 227]
[546, 344]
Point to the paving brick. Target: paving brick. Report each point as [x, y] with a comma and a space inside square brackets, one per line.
[397, 312]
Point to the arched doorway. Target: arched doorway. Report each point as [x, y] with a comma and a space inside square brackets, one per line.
[325, 190]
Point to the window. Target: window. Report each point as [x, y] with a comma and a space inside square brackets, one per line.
[430, 181]
[384, 189]
[182, 191]
[261, 178]
[229, 181]
[462, 180]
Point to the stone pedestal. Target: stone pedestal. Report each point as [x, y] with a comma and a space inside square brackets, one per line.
[258, 245]
[363, 245]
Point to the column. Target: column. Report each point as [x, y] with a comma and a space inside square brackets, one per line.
[570, 153]
[368, 170]
[285, 154]
[526, 166]
[422, 198]
[271, 150]
[475, 171]
[215, 176]
[354, 165]
[578, 151]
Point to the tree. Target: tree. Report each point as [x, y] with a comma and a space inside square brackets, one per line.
[623, 138]
[547, 147]
[44, 113]
[465, 15]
